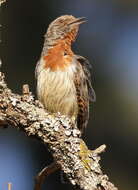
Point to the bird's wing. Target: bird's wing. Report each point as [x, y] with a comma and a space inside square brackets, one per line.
[84, 91]
[87, 68]
[37, 69]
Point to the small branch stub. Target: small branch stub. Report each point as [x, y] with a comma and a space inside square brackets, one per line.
[25, 89]
[2, 1]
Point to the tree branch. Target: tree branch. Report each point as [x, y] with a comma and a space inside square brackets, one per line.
[69, 151]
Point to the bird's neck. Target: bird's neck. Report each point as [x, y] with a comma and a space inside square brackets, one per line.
[60, 56]
[53, 42]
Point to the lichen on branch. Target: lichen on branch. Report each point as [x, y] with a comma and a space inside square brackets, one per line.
[69, 151]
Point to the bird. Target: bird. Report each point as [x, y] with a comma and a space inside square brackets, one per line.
[64, 78]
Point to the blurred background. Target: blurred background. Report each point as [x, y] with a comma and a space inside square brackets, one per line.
[110, 41]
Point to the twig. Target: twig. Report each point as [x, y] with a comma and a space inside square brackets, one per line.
[44, 173]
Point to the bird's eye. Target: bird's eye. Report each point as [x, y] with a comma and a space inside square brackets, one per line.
[65, 53]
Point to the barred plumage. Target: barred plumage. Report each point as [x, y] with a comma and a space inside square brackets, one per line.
[63, 78]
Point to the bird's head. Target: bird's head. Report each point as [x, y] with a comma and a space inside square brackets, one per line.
[64, 27]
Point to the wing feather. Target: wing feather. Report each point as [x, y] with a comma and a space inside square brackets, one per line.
[87, 71]
[84, 91]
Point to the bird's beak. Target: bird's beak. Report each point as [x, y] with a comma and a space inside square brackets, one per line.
[78, 21]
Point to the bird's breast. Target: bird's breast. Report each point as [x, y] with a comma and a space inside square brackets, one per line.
[56, 89]
[55, 58]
